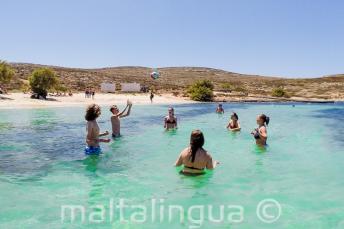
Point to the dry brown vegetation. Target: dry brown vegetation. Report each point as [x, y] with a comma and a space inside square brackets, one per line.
[177, 79]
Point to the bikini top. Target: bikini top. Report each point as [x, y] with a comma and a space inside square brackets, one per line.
[170, 121]
[232, 126]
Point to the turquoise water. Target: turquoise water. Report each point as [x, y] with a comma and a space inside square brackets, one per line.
[43, 167]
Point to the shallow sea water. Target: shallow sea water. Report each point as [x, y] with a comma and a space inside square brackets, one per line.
[43, 167]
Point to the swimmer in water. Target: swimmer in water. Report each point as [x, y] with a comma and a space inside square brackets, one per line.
[220, 109]
[194, 158]
[115, 118]
[260, 134]
[234, 124]
[170, 121]
[92, 139]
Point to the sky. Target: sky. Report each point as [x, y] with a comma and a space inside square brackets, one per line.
[289, 38]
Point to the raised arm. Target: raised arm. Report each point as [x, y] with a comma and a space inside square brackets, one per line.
[128, 111]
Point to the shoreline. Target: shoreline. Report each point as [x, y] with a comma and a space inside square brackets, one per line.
[23, 101]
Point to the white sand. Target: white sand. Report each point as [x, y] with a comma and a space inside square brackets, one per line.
[20, 100]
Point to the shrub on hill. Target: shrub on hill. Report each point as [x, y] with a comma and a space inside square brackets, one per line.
[279, 92]
[41, 81]
[6, 73]
[201, 90]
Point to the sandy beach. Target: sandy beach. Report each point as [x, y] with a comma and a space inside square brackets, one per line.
[21, 100]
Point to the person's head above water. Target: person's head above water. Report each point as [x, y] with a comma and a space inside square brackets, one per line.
[92, 112]
[196, 142]
[114, 109]
[220, 105]
[171, 111]
[263, 119]
[234, 116]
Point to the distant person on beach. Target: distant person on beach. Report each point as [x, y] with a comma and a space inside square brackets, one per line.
[151, 96]
[234, 124]
[260, 133]
[86, 93]
[170, 121]
[93, 93]
[194, 158]
[220, 109]
[92, 139]
[115, 118]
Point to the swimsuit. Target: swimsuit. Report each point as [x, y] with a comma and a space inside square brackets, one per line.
[188, 173]
[192, 168]
[93, 150]
[171, 122]
[233, 126]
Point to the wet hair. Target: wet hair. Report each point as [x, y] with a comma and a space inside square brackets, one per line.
[265, 118]
[171, 109]
[196, 142]
[113, 107]
[92, 112]
[235, 116]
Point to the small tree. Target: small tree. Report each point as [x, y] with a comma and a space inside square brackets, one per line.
[201, 90]
[42, 80]
[279, 92]
[226, 87]
[6, 72]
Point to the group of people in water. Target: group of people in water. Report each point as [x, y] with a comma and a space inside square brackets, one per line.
[194, 158]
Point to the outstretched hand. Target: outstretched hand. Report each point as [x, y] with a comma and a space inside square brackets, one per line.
[129, 103]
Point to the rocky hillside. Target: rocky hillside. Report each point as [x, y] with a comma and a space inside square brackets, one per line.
[176, 79]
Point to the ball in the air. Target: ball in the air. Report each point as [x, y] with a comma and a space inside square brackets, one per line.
[155, 75]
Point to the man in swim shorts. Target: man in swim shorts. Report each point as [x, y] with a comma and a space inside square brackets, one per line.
[115, 118]
[92, 138]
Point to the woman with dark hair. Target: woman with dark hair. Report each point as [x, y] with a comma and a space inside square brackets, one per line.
[260, 133]
[234, 124]
[194, 158]
[92, 139]
[170, 121]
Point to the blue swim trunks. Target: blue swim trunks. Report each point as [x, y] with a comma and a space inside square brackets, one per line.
[93, 150]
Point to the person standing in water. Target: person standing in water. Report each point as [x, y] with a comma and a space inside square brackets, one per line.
[234, 124]
[194, 158]
[115, 118]
[151, 96]
[220, 109]
[170, 121]
[260, 133]
[92, 138]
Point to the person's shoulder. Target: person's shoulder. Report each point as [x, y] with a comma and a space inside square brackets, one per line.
[207, 154]
[186, 150]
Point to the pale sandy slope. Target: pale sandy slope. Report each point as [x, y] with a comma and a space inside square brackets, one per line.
[20, 100]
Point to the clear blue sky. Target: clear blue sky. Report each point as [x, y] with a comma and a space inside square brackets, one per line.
[291, 38]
